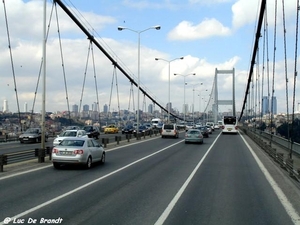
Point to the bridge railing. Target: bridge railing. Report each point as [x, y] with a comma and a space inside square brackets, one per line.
[278, 148]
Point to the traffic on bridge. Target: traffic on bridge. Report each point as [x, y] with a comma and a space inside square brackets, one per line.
[145, 113]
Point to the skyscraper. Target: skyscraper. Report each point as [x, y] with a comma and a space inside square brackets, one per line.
[25, 107]
[269, 106]
[105, 108]
[86, 108]
[265, 105]
[75, 108]
[5, 105]
[150, 108]
[274, 105]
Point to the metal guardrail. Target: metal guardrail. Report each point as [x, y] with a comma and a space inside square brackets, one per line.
[6, 138]
[10, 158]
[264, 139]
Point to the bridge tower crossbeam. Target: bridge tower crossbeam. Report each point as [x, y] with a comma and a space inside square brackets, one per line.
[218, 102]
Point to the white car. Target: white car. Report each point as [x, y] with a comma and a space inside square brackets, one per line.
[169, 130]
[78, 151]
[69, 133]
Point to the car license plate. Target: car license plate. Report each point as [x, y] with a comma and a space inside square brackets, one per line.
[229, 129]
[168, 130]
[65, 153]
[25, 139]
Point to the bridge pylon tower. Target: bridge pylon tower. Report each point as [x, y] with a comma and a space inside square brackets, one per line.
[218, 102]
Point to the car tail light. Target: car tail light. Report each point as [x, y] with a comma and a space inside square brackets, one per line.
[222, 127]
[236, 127]
[54, 150]
[78, 152]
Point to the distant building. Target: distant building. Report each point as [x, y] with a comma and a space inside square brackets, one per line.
[265, 105]
[105, 108]
[167, 106]
[95, 107]
[274, 105]
[185, 108]
[75, 108]
[5, 106]
[150, 108]
[86, 108]
[25, 107]
[269, 106]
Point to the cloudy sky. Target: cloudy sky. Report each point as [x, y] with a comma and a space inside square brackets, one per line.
[209, 34]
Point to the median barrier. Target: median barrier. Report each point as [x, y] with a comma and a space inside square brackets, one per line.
[118, 139]
[105, 141]
[3, 161]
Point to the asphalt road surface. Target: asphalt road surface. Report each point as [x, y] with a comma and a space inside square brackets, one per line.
[158, 181]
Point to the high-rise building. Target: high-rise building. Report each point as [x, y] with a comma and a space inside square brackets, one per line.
[274, 105]
[169, 104]
[105, 108]
[75, 108]
[25, 107]
[185, 108]
[265, 105]
[150, 108]
[269, 106]
[86, 108]
[5, 105]
[95, 107]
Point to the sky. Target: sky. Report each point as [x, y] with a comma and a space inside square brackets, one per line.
[209, 34]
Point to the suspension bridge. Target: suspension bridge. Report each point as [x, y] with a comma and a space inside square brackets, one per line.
[261, 81]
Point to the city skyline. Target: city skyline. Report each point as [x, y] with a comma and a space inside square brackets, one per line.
[207, 34]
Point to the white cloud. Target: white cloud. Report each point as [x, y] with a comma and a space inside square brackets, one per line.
[188, 31]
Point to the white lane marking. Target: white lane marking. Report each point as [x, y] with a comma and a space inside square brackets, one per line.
[281, 196]
[44, 167]
[23, 172]
[171, 205]
[87, 184]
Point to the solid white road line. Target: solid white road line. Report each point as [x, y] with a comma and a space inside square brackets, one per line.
[281, 196]
[171, 205]
[87, 184]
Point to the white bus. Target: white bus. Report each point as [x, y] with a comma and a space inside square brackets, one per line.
[229, 125]
[155, 121]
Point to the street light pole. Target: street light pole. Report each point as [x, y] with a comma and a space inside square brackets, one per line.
[139, 47]
[184, 76]
[200, 100]
[194, 100]
[169, 101]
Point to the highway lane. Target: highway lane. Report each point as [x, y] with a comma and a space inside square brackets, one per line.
[16, 146]
[138, 182]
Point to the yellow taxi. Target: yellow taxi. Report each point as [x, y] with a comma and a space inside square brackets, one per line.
[111, 129]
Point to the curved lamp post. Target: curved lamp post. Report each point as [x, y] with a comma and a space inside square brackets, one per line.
[139, 50]
[169, 101]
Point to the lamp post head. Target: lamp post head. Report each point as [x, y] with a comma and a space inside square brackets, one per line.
[181, 57]
[157, 27]
[194, 74]
[156, 58]
[121, 28]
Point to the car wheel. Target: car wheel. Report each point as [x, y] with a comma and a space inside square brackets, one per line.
[102, 158]
[56, 165]
[88, 164]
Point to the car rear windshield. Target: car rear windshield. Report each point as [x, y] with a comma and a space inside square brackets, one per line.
[230, 120]
[169, 127]
[72, 143]
[194, 132]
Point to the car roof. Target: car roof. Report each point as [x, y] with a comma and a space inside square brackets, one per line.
[78, 138]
